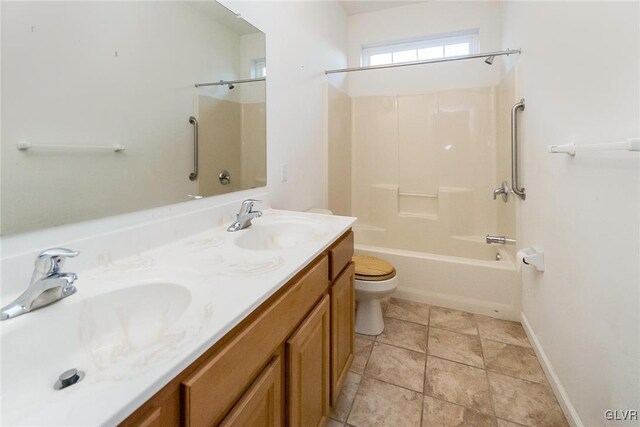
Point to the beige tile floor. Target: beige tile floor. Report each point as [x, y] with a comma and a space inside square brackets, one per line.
[438, 367]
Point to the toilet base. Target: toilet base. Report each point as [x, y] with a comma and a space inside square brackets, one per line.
[369, 319]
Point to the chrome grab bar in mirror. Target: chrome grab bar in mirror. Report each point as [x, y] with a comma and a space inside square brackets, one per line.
[194, 175]
[24, 146]
[514, 150]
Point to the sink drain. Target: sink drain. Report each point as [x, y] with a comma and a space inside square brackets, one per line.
[68, 378]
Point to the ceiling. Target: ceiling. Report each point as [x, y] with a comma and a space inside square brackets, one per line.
[364, 6]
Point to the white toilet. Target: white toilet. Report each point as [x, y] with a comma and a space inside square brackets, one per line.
[375, 280]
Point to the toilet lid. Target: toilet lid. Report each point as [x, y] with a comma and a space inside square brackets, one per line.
[373, 269]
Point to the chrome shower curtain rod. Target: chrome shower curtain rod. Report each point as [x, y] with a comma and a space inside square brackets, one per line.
[429, 61]
[231, 82]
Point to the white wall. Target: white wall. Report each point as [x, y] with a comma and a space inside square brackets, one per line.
[303, 39]
[418, 20]
[579, 75]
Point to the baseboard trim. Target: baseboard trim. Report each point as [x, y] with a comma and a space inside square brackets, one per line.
[561, 394]
[455, 302]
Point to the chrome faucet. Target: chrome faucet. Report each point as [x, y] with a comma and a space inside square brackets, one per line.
[245, 216]
[503, 191]
[48, 284]
[499, 240]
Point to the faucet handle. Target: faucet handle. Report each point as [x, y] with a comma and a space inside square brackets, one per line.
[51, 261]
[503, 190]
[250, 202]
[247, 205]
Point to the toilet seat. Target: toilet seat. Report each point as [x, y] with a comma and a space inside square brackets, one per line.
[372, 269]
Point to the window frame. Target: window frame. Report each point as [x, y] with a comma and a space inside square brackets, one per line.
[470, 36]
[257, 65]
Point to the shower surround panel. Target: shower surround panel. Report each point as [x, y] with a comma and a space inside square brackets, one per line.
[424, 168]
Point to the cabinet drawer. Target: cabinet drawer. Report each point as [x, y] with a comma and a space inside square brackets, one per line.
[343, 311]
[261, 404]
[212, 389]
[340, 255]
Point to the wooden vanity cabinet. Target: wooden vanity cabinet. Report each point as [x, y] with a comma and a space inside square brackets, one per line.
[282, 365]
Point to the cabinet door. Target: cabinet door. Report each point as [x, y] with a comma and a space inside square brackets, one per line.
[308, 369]
[261, 405]
[343, 311]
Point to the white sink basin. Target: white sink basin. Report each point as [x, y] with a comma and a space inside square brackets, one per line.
[106, 336]
[133, 324]
[280, 235]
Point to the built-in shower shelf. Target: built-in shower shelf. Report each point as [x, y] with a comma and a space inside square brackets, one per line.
[432, 196]
[433, 217]
[418, 205]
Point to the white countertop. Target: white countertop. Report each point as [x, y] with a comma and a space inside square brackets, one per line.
[188, 293]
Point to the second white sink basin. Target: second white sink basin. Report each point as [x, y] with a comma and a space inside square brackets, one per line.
[276, 236]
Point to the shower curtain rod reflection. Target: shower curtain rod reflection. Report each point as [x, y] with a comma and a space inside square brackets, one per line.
[430, 61]
[231, 82]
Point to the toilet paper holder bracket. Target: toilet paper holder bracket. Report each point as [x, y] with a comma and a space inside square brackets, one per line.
[531, 256]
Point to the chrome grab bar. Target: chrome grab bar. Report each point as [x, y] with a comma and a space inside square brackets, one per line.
[194, 175]
[500, 240]
[514, 150]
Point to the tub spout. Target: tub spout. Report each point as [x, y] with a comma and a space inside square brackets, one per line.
[500, 240]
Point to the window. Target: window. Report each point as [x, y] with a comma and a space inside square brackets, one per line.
[425, 48]
[259, 68]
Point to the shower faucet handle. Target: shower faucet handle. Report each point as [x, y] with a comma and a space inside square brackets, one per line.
[503, 191]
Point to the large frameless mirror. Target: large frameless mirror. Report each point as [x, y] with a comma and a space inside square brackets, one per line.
[114, 107]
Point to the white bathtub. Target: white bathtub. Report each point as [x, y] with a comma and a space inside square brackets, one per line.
[485, 287]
